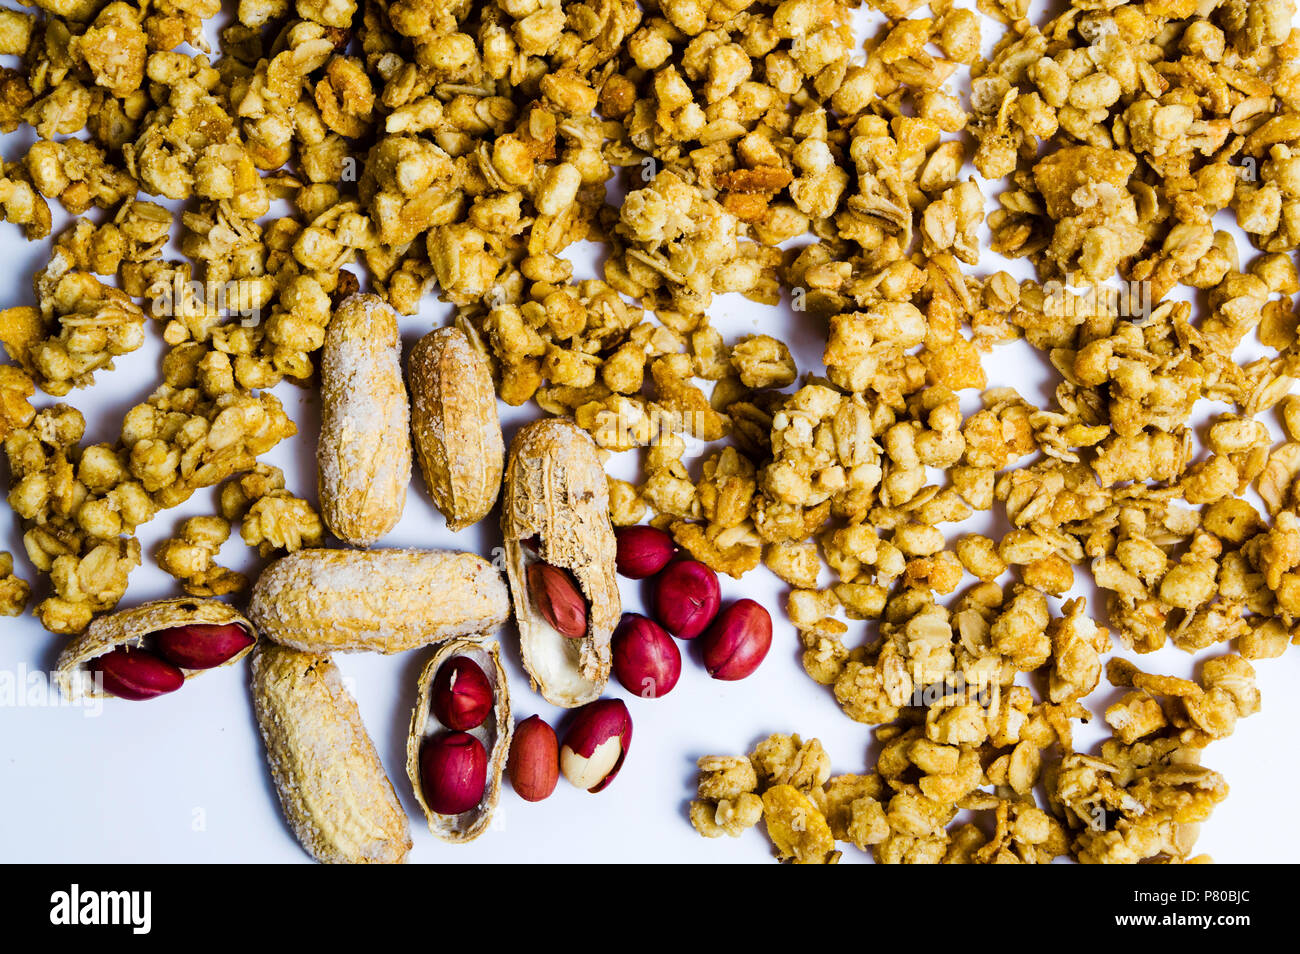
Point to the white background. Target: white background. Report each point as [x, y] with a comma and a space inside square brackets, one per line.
[183, 777]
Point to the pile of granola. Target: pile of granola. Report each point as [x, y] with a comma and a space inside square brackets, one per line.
[1123, 130]
[719, 146]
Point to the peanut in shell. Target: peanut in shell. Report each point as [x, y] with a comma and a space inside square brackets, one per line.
[556, 509]
[332, 786]
[494, 733]
[454, 426]
[363, 456]
[130, 628]
[385, 601]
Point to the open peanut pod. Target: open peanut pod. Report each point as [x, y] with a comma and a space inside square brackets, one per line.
[153, 648]
[560, 551]
[460, 738]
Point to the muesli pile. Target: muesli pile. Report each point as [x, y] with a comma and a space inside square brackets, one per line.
[711, 147]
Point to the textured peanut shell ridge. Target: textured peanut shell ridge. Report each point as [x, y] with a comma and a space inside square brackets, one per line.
[556, 491]
[455, 427]
[332, 786]
[385, 601]
[494, 733]
[364, 454]
[129, 628]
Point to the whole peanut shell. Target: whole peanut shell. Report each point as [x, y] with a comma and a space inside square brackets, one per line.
[385, 601]
[332, 786]
[363, 456]
[454, 424]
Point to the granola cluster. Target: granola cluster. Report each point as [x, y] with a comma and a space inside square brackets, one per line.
[191, 556]
[1141, 799]
[271, 518]
[14, 592]
[716, 147]
[81, 506]
[1120, 132]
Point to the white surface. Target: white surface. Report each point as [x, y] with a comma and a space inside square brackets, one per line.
[183, 778]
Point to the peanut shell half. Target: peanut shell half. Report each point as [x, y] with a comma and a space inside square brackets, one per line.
[494, 733]
[130, 627]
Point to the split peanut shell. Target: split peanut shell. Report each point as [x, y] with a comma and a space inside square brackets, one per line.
[454, 424]
[332, 786]
[557, 499]
[129, 628]
[494, 733]
[385, 601]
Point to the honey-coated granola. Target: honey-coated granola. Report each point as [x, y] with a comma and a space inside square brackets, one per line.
[717, 147]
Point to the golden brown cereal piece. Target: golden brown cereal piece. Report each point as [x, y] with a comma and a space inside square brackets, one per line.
[239, 493]
[788, 760]
[364, 453]
[763, 362]
[15, 409]
[14, 592]
[457, 435]
[84, 584]
[727, 816]
[799, 831]
[280, 521]
[845, 795]
[626, 508]
[796, 563]
[332, 786]
[384, 601]
[1135, 715]
[191, 558]
[727, 803]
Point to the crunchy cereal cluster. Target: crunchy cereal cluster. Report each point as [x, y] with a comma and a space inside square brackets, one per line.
[464, 149]
[14, 592]
[1122, 131]
[80, 325]
[191, 555]
[271, 518]
[81, 505]
[1141, 800]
